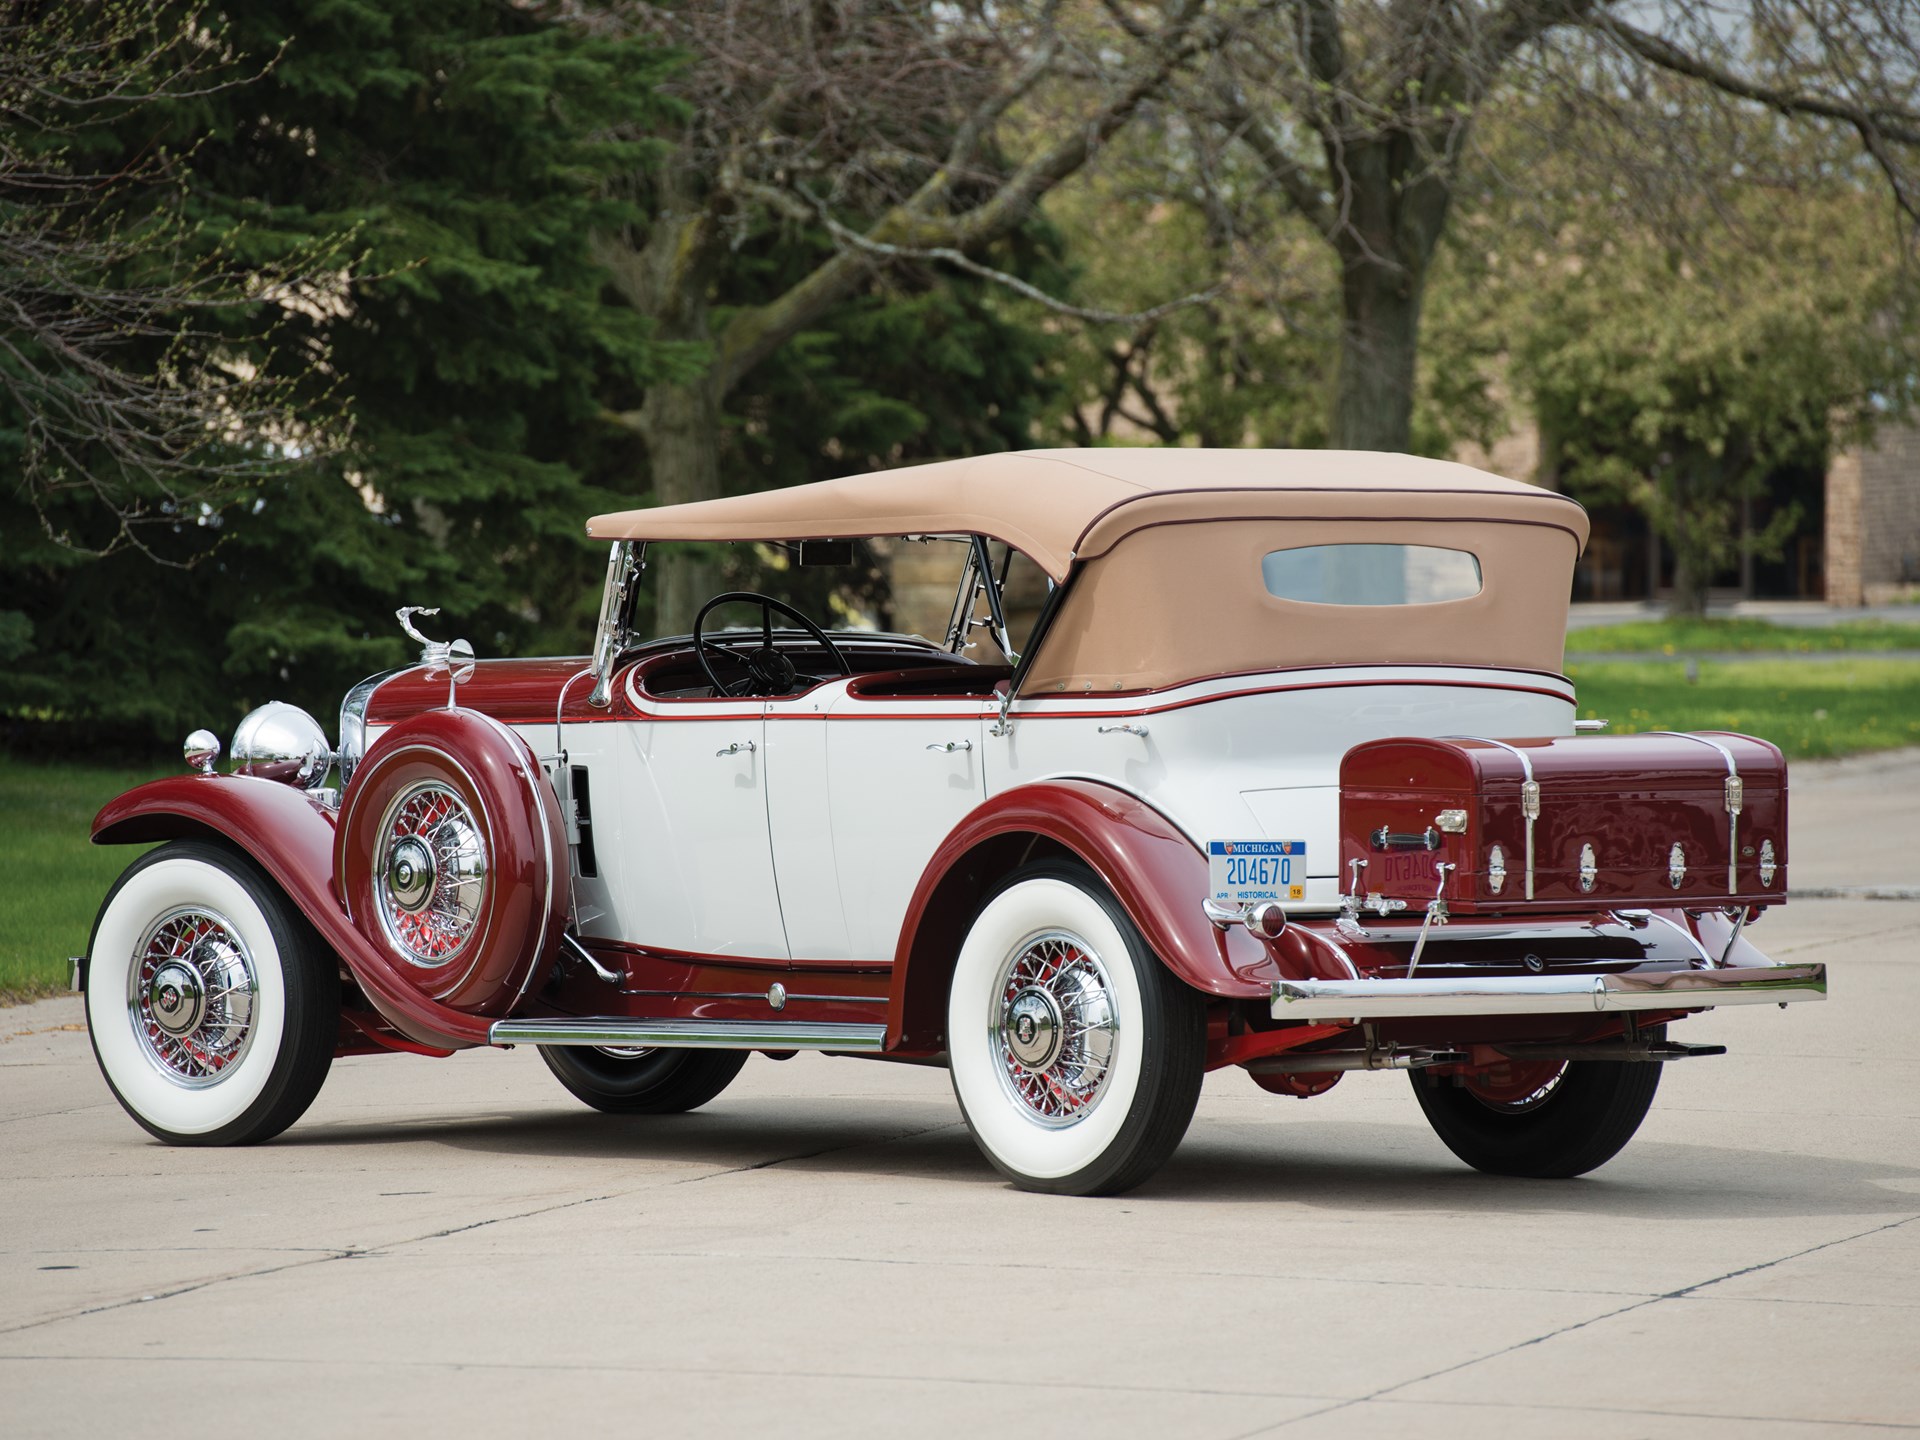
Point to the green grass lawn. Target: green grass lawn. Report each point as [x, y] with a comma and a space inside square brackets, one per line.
[1839, 707]
[53, 879]
[1707, 637]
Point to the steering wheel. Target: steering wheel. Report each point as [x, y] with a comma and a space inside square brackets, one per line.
[768, 671]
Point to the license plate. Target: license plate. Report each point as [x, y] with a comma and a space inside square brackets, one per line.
[1398, 868]
[1244, 872]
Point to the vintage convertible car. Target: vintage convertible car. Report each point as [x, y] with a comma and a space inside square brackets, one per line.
[1284, 777]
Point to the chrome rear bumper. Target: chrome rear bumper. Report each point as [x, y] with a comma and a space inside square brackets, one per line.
[1547, 994]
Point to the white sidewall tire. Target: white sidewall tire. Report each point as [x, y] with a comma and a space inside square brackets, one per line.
[1017, 1143]
[142, 897]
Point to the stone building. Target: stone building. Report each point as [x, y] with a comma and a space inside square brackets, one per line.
[1856, 542]
[1873, 521]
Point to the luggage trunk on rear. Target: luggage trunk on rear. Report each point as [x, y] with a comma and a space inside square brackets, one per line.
[1649, 820]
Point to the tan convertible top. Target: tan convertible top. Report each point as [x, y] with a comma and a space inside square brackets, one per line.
[1059, 506]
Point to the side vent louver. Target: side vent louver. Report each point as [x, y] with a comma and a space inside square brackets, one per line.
[583, 819]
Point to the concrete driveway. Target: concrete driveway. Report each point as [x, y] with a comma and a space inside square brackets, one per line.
[458, 1247]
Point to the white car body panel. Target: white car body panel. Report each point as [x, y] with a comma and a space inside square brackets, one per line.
[1258, 757]
[810, 845]
[893, 800]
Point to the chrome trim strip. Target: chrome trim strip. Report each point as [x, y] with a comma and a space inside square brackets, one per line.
[692, 1034]
[1547, 994]
[792, 995]
[1529, 793]
[1735, 797]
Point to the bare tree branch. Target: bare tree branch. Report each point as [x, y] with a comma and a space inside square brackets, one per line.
[918, 225]
[159, 399]
[1300, 188]
[1872, 122]
[961, 261]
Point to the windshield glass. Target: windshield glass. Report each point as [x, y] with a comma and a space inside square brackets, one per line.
[894, 585]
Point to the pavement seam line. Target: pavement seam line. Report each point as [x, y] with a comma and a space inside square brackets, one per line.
[1898, 1426]
[350, 1253]
[1683, 1293]
[811, 1154]
[357, 1252]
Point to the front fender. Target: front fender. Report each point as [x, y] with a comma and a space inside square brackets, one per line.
[292, 839]
[1155, 872]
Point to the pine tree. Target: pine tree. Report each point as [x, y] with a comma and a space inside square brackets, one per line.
[466, 150]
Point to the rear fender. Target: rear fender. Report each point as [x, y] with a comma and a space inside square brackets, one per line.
[292, 839]
[1155, 872]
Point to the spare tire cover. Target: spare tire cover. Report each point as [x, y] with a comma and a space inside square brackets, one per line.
[452, 859]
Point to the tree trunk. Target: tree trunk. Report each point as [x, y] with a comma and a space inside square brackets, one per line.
[669, 278]
[682, 427]
[1379, 340]
[1689, 599]
[1692, 569]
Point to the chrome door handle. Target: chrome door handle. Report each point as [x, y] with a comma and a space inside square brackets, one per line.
[736, 747]
[1139, 730]
[948, 747]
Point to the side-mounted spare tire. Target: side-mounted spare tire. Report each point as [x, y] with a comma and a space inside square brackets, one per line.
[452, 859]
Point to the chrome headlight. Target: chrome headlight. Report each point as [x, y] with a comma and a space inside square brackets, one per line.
[353, 724]
[282, 742]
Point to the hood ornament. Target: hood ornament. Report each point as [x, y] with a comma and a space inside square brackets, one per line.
[452, 658]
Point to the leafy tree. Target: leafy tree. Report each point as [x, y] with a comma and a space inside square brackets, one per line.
[469, 150]
[1677, 378]
[1366, 118]
[913, 367]
[916, 136]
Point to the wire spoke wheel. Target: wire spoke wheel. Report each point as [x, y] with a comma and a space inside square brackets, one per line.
[1076, 1054]
[1056, 1026]
[1516, 1087]
[431, 874]
[212, 1004]
[192, 991]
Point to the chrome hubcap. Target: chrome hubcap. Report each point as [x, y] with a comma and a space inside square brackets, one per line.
[1034, 1031]
[191, 994]
[410, 874]
[432, 877]
[1054, 1026]
[176, 997]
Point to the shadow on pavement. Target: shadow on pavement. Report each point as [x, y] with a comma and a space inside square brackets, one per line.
[1350, 1167]
[1648, 1180]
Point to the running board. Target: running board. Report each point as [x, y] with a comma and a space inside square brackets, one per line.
[691, 1034]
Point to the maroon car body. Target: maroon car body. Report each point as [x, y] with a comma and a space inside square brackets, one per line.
[1081, 872]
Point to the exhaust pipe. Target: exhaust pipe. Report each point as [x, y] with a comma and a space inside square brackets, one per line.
[1354, 1060]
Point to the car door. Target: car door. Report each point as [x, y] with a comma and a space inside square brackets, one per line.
[799, 802]
[695, 858]
[901, 773]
